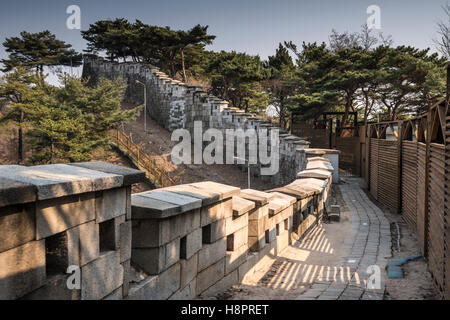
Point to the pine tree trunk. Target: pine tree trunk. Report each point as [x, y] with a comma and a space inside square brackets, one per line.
[183, 67]
[20, 139]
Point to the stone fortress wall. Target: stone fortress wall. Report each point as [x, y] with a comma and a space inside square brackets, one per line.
[176, 105]
[78, 223]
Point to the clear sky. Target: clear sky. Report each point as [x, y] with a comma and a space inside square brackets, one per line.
[252, 26]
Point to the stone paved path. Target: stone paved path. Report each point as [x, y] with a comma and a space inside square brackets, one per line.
[368, 246]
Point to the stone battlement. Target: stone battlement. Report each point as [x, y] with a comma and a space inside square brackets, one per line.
[176, 105]
[171, 243]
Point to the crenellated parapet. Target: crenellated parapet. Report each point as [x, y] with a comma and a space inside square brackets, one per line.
[75, 231]
[176, 105]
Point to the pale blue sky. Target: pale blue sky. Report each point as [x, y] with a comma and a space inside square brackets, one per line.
[252, 26]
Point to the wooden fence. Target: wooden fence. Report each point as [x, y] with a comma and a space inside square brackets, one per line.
[408, 172]
[158, 177]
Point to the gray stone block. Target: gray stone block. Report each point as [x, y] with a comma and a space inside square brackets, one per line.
[15, 192]
[22, 270]
[223, 284]
[237, 239]
[89, 242]
[233, 224]
[125, 241]
[185, 203]
[235, 258]
[55, 288]
[210, 275]
[211, 253]
[126, 265]
[214, 231]
[159, 287]
[17, 226]
[191, 244]
[130, 176]
[57, 215]
[188, 269]
[187, 293]
[59, 180]
[110, 204]
[102, 276]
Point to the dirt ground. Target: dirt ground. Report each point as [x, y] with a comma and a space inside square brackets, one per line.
[156, 143]
[417, 283]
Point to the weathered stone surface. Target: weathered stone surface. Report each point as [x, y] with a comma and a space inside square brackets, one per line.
[172, 252]
[96, 277]
[319, 159]
[191, 244]
[214, 231]
[210, 275]
[235, 258]
[241, 206]
[258, 213]
[17, 226]
[247, 269]
[237, 239]
[223, 190]
[282, 241]
[276, 205]
[188, 270]
[110, 204]
[294, 192]
[185, 203]
[207, 197]
[214, 212]
[148, 208]
[59, 180]
[73, 246]
[314, 173]
[210, 253]
[256, 243]
[115, 295]
[130, 176]
[155, 260]
[256, 227]
[57, 215]
[258, 197]
[15, 192]
[223, 284]
[156, 232]
[232, 224]
[189, 292]
[322, 165]
[22, 270]
[89, 242]
[159, 287]
[126, 265]
[125, 241]
[55, 288]
[279, 195]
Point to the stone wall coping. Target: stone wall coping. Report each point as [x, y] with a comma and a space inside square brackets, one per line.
[130, 176]
[59, 180]
[322, 165]
[241, 206]
[299, 193]
[316, 151]
[260, 198]
[15, 192]
[314, 173]
[277, 204]
[172, 201]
